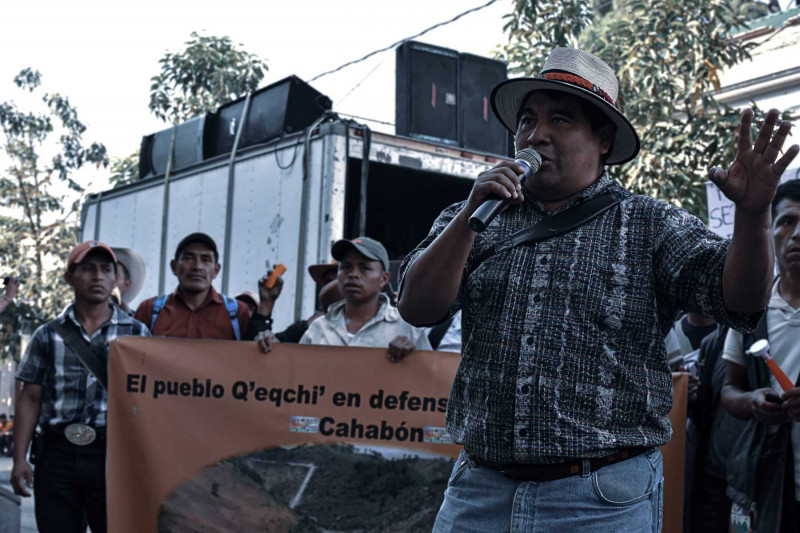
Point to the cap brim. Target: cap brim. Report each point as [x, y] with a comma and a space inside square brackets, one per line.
[82, 255]
[339, 248]
[134, 264]
[508, 97]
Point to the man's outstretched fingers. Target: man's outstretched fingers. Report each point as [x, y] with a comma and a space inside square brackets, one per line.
[781, 165]
[774, 147]
[745, 135]
[765, 135]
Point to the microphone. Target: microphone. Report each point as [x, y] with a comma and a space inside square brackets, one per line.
[483, 216]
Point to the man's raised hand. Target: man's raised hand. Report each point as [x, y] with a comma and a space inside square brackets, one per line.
[751, 180]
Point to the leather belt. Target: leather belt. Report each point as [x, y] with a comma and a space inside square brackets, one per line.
[551, 472]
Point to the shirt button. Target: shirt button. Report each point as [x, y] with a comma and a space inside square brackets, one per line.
[523, 432]
[537, 299]
[543, 261]
[529, 341]
[524, 390]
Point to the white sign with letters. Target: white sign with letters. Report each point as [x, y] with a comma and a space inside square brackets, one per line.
[720, 209]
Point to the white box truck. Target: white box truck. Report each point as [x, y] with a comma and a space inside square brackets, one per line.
[286, 202]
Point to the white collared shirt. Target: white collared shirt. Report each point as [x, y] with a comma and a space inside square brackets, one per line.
[331, 329]
[783, 332]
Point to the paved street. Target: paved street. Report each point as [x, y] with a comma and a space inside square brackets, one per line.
[28, 522]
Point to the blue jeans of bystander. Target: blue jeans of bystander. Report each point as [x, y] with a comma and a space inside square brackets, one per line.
[622, 497]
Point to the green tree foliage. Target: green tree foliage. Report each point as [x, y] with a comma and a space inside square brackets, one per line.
[668, 55]
[208, 72]
[124, 170]
[39, 202]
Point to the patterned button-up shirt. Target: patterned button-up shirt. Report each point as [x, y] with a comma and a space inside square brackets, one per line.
[70, 393]
[563, 340]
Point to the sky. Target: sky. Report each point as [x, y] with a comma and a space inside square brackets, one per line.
[102, 54]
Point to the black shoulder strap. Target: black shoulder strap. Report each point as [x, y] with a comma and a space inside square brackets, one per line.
[757, 372]
[554, 226]
[75, 340]
[436, 334]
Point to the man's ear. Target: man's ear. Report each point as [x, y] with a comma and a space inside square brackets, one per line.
[606, 134]
[217, 268]
[174, 266]
[385, 278]
[68, 278]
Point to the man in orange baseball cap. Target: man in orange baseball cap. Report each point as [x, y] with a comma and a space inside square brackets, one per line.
[70, 469]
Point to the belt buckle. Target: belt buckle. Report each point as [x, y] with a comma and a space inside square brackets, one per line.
[80, 434]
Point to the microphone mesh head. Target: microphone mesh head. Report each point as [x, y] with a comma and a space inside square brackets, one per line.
[531, 157]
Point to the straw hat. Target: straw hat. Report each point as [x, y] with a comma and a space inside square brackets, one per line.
[580, 74]
[134, 264]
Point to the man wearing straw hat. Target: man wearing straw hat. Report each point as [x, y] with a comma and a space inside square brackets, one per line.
[563, 392]
[131, 271]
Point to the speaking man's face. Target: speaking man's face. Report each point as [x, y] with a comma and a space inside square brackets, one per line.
[554, 125]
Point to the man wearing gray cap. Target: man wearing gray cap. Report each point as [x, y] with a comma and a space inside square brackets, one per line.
[563, 392]
[365, 317]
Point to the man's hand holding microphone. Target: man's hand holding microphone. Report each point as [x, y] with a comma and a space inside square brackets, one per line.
[500, 187]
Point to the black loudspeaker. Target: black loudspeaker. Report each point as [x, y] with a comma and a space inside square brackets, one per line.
[427, 92]
[479, 128]
[287, 106]
[190, 148]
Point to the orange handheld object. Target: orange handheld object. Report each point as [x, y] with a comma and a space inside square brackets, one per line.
[277, 272]
[760, 348]
[785, 382]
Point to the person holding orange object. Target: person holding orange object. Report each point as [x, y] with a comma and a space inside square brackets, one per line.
[760, 476]
[195, 310]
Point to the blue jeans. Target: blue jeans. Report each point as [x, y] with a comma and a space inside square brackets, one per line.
[625, 496]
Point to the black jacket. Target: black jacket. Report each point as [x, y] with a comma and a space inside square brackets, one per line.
[760, 471]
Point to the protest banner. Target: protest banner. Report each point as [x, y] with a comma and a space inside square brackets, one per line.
[216, 436]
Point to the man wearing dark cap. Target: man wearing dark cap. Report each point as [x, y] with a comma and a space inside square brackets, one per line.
[64, 375]
[563, 392]
[365, 317]
[196, 310]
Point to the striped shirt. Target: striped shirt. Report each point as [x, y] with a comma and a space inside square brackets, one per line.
[70, 393]
[563, 340]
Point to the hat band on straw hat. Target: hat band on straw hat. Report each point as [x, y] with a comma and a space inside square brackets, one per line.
[577, 80]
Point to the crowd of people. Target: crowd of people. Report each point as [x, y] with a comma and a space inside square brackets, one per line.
[562, 395]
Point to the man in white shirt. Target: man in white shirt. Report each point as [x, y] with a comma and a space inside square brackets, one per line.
[365, 317]
[777, 505]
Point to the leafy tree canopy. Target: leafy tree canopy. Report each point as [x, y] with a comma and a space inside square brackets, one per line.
[39, 202]
[124, 170]
[208, 72]
[668, 55]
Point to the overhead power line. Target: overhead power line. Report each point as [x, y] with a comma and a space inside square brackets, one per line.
[398, 43]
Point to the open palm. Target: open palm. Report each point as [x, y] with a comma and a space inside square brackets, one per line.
[751, 180]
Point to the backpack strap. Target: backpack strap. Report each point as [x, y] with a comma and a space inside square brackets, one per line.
[86, 355]
[758, 373]
[158, 305]
[554, 226]
[436, 334]
[232, 305]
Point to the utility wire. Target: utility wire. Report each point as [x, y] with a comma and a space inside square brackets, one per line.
[357, 85]
[365, 118]
[398, 43]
